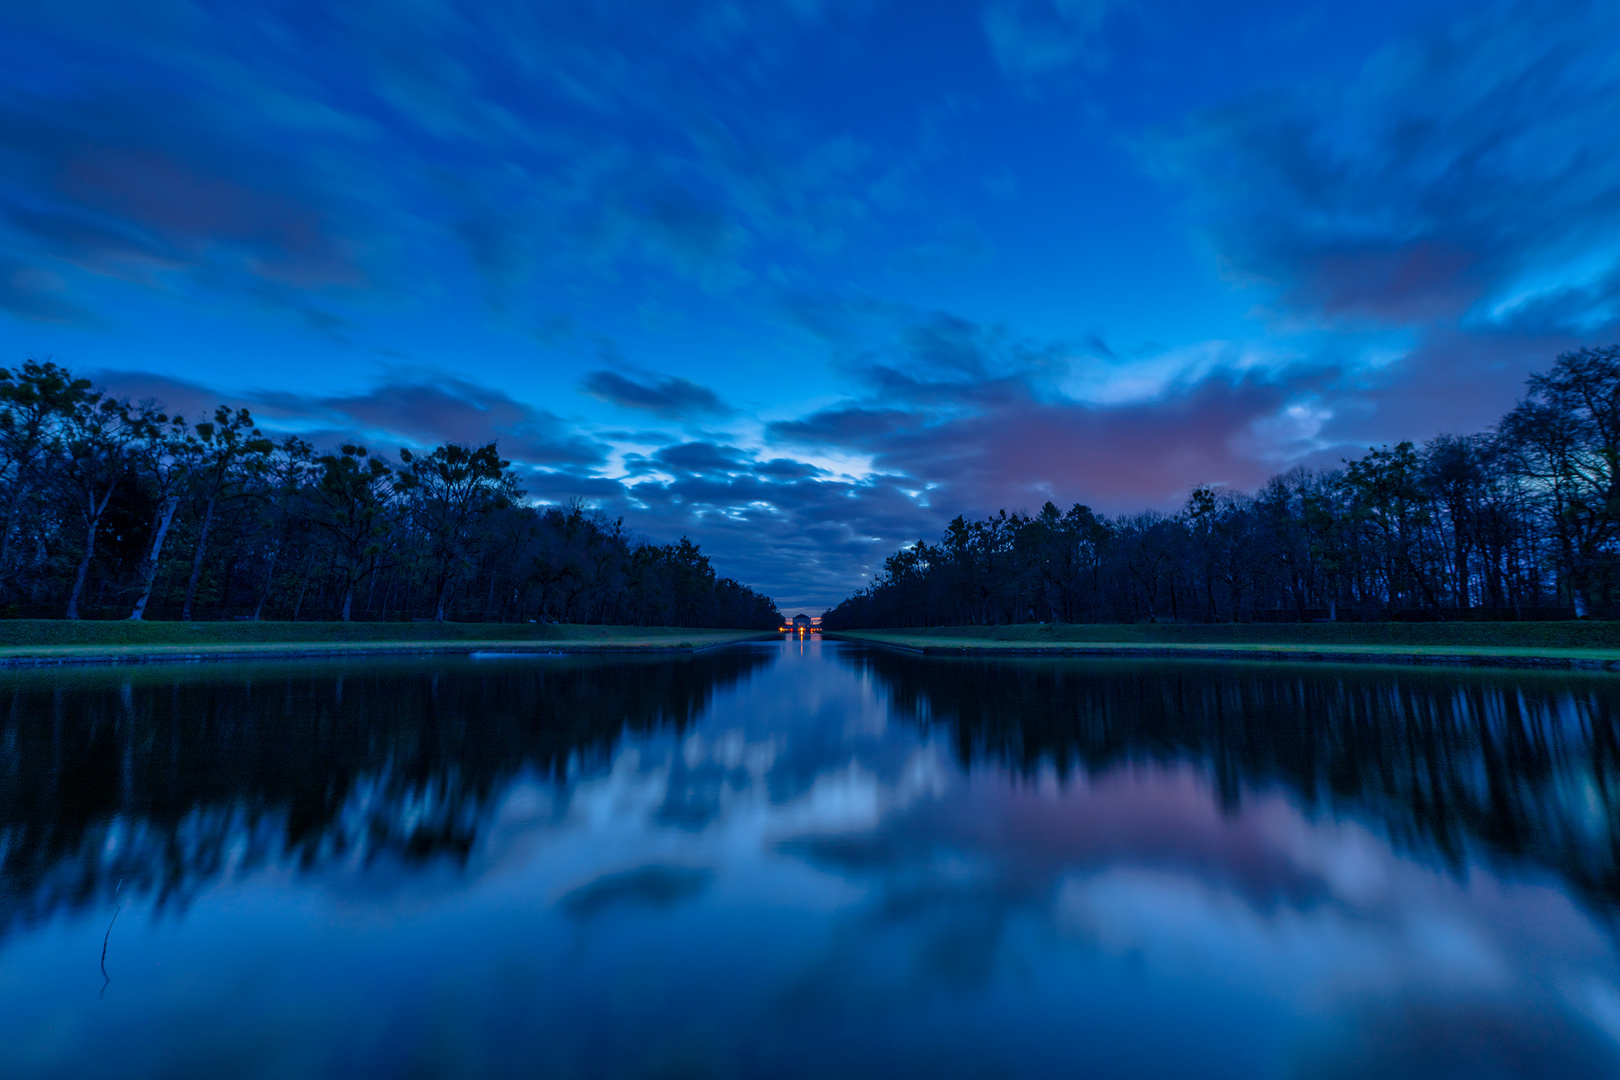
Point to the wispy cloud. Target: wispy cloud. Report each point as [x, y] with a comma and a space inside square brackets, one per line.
[38, 294]
[1035, 38]
[669, 396]
[1410, 233]
[412, 412]
[1467, 175]
[224, 152]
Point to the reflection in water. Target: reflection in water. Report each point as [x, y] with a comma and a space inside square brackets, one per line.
[654, 886]
[809, 859]
[162, 779]
[1523, 768]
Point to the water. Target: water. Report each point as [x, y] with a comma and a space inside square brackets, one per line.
[807, 859]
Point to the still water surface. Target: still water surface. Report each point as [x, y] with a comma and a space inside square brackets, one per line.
[807, 859]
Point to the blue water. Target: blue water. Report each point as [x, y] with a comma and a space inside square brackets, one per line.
[807, 859]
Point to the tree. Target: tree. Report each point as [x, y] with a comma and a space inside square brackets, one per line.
[99, 443]
[1454, 479]
[450, 491]
[351, 504]
[38, 402]
[224, 453]
[161, 460]
[1568, 432]
[95, 493]
[1386, 495]
[288, 476]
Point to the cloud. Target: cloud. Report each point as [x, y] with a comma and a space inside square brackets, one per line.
[204, 151]
[1033, 38]
[1416, 1035]
[700, 458]
[796, 538]
[787, 524]
[924, 358]
[1421, 235]
[787, 469]
[696, 230]
[781, 524]
[1097, 345]
[175, 395]
[853, 426]
[37, 294]
[949, 416]
[135, 181]
[419, 412]
[981, 417]
[1465, 176]
[450, 410]
[671, 397]
[654, 886]
[1451, 380]
[1018, 453]
[954, 246]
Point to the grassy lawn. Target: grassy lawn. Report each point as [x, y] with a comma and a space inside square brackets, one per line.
[1582, 644]
[65, 640]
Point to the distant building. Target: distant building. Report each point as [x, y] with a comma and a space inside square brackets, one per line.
[803, 624]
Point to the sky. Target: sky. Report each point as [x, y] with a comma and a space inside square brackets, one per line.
[805, 279]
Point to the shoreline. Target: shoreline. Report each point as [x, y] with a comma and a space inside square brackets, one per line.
[1489, 656]
[37, 656]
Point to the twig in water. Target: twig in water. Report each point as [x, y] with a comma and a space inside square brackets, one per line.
[106, 978]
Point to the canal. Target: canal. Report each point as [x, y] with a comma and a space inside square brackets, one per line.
[807, 858]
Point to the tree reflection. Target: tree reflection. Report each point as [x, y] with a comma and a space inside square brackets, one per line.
[1517, 768]
[166, 778]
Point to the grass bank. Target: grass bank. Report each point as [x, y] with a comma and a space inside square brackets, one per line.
[1584, 644]
[56, 641]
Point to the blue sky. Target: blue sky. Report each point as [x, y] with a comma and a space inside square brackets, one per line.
[805, 279]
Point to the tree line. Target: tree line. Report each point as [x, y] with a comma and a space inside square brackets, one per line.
[113, 509]
[1518, 522]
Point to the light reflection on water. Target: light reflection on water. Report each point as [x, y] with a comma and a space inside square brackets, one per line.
[808, 859]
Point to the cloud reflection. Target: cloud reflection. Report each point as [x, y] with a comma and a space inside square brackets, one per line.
[1379, 862]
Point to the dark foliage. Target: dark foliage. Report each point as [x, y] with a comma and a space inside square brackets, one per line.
[116, 510]
[1519, 522]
